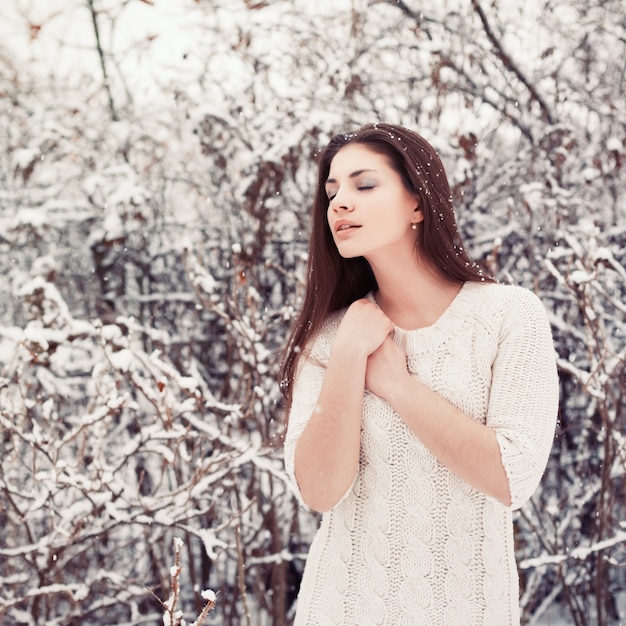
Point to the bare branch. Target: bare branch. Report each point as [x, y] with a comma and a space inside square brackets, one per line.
[105, 75]
[510, 64]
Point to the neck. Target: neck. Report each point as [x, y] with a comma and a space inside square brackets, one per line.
[414, 297]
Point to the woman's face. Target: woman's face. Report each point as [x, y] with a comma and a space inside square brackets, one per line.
[370, 211]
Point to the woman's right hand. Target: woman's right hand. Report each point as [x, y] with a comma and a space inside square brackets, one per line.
[364, 327]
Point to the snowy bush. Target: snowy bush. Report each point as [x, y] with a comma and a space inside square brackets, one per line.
[154, 200]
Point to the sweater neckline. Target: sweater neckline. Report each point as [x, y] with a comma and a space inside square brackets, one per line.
[446, 325]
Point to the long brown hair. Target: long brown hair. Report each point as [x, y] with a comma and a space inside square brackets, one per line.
[333, 282]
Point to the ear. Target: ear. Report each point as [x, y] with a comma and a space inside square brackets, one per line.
[418, 215]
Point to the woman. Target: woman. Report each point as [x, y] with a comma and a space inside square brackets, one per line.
[422, 399]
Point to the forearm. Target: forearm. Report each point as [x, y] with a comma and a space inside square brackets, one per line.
[327, 452]
[466, 447]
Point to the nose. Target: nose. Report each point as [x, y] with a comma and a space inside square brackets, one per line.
[341, 203]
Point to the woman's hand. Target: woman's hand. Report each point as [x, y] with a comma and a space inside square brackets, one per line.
[363, 328]
[386, 370]
[327, 453]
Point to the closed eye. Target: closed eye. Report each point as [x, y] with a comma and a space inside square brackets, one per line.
[366, 184]
[366, 187]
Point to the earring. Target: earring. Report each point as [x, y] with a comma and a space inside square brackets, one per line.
[414, 226]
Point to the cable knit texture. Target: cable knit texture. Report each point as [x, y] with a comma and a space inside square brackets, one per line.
[410, 543]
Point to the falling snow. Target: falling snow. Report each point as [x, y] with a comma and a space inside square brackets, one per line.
[154, 231]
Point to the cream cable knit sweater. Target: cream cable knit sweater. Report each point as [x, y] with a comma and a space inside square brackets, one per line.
[411, 543]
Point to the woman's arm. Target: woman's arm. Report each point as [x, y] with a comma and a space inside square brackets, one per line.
[466, 447]
[505, 457]
[327, 452]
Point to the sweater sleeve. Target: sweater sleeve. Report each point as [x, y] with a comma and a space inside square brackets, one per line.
[524, 394]
[306, 390]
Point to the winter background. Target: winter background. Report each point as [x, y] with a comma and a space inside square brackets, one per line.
[157, 163]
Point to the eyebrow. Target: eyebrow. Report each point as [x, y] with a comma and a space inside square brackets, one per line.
[353, 175]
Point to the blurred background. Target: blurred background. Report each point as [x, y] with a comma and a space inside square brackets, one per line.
[157, 163]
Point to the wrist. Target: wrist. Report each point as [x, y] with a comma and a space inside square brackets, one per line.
[350, 349]
[400, 390]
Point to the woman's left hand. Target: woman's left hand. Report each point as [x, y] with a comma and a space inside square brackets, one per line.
[386, 369]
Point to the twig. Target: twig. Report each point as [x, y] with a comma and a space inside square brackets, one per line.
[508, 62]
[172, 616]
[241, 574]
[105, 75]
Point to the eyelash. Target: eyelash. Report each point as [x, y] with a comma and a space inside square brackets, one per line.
[359, 188]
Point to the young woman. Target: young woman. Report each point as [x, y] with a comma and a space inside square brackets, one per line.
[422, 399]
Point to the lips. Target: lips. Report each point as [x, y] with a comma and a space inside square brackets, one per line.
[345, 225]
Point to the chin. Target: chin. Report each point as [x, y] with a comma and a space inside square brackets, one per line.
[347, 254]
